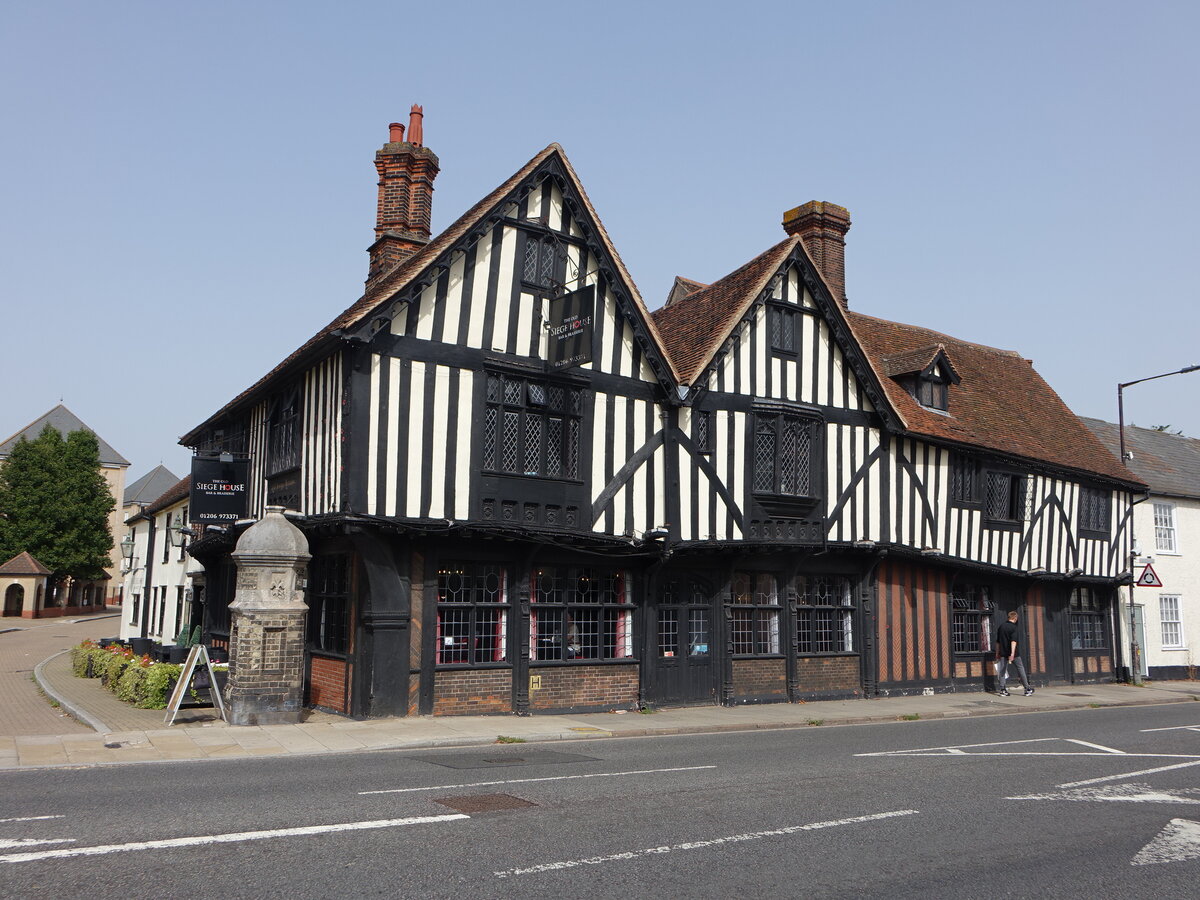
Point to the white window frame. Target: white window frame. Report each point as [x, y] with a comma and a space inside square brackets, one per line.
[1173, 617]
[1165, 527]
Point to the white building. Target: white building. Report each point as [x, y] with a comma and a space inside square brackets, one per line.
[1167, 530]
[156, 567]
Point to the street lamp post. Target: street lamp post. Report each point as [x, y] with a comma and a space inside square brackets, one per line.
[1135, 652]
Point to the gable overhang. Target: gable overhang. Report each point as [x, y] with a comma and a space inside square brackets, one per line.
[362, 320]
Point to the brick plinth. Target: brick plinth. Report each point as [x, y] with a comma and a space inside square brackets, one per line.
[827, 676]
[759, 679]
[580, 687]
[472, 692]
[327, 683]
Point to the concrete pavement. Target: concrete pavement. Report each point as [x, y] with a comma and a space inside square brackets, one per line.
[120, 733]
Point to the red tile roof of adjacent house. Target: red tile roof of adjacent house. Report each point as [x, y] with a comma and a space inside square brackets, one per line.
[694, 327]
[1002, 403]
[24, 563]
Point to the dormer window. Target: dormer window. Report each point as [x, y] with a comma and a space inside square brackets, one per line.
[933, 389]
[926, 373]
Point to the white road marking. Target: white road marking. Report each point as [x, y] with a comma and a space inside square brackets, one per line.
[31, 818]
[231, 838]
[1173, 728]
[699, 845]
[1180, 840]
[959, 747]
[975, 750]
[1123, 793]
[1186, 765]
[1097, 746]
[446, 787]
[32, 842]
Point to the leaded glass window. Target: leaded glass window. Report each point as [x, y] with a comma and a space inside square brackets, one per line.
[580, 613]
[782, 324]
[328, 599]
[963, 479]
[1093, 509]
[971, 611]
[783, 455]
[541, 262]
[472, 614]
[1006, 499]
[1087, 620]
[754, 614]
[824, 613]
[531, 428]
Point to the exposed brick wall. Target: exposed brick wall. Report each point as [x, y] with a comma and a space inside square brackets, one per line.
[828, 675]
[472, 692]
[414, 695]
[584, 687]
[759, 678]
[327, 683]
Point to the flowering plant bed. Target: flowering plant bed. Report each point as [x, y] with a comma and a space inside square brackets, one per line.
[134, 679]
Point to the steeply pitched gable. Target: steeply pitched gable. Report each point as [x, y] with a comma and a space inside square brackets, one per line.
[64, 421]
[425, 266]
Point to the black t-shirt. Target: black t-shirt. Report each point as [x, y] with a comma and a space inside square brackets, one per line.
[1006, 636]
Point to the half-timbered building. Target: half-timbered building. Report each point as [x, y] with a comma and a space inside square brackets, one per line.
[752, 494]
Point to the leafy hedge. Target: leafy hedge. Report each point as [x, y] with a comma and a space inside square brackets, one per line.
[134, 679]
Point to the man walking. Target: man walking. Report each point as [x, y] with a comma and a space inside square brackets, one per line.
[1006, 652]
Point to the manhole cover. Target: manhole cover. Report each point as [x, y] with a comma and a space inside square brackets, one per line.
[480, 803]
[493, 760]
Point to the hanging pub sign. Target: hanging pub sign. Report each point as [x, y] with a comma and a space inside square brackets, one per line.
[571, 328]
[218, 490]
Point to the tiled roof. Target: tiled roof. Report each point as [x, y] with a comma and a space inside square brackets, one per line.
[407, 271]
[683, 287]
[912, 360]
[64, 421]
[1168, 463]
[150, 485]
[23, 563]
[694, 327]
[1002, 404]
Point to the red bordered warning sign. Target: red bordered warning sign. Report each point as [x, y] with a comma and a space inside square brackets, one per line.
[1149, 578]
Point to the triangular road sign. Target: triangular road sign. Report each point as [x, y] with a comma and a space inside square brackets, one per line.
[1149, 578]
[1180, 840]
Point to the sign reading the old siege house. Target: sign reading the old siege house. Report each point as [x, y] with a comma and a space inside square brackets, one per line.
[218, 490]
[571, 328]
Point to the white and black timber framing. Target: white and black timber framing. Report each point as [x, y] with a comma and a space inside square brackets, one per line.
[423, 421]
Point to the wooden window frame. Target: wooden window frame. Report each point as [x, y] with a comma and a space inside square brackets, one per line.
[759, 610]
[809, 593]
[580, 615]
[465, 605]
[972, 611]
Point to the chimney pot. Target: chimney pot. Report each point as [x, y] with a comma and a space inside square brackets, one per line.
[823, 226]
[406, 173]
[416, 132]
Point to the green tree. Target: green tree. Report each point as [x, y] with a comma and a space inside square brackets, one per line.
[55, 504]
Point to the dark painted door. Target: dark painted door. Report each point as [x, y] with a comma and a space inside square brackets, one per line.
[683, 643]
[1058, 636]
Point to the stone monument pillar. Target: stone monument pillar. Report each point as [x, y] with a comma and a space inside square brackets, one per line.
[266, 638]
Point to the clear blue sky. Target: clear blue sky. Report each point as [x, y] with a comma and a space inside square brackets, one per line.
[188, 189]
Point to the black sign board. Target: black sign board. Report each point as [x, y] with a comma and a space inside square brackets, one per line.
[572, 319]
[218, 490]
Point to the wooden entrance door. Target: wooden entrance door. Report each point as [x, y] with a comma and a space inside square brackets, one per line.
[683, 641]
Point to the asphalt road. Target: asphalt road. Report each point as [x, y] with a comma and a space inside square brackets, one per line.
[1081, 804]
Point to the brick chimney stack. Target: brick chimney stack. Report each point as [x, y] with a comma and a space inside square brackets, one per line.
[406, 173]
[823, 227]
